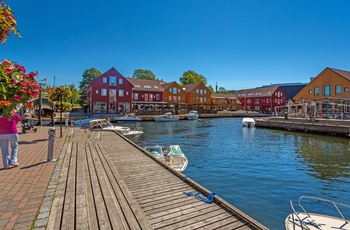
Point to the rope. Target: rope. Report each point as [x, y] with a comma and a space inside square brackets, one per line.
[208, 200]
[185, 177]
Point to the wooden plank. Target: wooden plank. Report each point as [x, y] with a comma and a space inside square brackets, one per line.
[55, 218]
[68, 218]
[175, 221]
[92, 219]
[114, 207]
[82, 192]
[102, 215]
[131, 208]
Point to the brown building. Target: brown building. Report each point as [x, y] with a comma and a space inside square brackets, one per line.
[221, 101]
[262, 99]
[327, 94]
[197, 96]
[174, 93]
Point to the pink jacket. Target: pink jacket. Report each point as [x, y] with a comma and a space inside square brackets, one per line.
[9, 125]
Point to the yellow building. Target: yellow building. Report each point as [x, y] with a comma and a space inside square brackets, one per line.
[327, 94]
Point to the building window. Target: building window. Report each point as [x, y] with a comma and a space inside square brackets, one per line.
[174, 90]
[201, 92]
[316, 91]
[169, 98]
[170, 90]
[205, 91]
[96, 91]
[196, 90]
[179, 98]
[112, 80]
[178, 90]
[104, 80]
[120, 81]
[346, 89]
[112, 95]
[103, 92]
[337, 89]
[120, 93]
[310, 91]
[326, 90]
[99, 107]
[135, 96]
[157, 96]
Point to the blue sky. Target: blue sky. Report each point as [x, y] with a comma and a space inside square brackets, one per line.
[235, 43]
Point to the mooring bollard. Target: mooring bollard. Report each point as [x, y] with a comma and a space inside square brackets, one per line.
[52, 134]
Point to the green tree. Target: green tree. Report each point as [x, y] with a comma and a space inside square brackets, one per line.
[144, 74]
[190, 77]
[88, 76]
[75, 94]
[222, 90]
[211, 89]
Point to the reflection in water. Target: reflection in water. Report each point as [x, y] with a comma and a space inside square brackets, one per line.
[328, 158]
[258, 170]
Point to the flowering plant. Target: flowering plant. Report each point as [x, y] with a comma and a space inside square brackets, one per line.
[16, 86]
[7, 23]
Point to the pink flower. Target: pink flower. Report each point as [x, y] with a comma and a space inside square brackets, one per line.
[8, 70]
[17, 97]
[23, 91]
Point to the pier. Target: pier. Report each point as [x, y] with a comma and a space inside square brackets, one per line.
[108, 181]
[319, 125]
[101, 180]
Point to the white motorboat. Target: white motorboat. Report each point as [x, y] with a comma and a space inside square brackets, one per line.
[107, 125]
[81, 122]
[157, 152]
[130, 118]
[248, 122]
[192, 115]
[172, 156]
[166, 117]
[307, 220]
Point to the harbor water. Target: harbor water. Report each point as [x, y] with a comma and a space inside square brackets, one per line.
[258, 170]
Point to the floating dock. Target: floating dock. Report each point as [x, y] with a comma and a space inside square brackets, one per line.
[109, 182]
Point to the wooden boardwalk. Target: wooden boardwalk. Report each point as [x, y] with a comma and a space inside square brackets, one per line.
[108, 182]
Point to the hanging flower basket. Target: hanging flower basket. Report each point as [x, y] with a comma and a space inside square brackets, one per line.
[16, 86]
[7, 23]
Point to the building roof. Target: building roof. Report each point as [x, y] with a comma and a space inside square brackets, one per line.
[189, 87]
[343, 73]
[146, 85]
[166, 85]
[223, 95]
[257, 92]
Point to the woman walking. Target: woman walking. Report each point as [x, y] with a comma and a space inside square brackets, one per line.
[9, 136]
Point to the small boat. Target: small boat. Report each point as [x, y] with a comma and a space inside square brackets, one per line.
[104, 124]
[192, 115]
[172, 156]
[248, 122]
[166, 117]
[305, 220]
[156, 151]
[81, 122]
[130, 118]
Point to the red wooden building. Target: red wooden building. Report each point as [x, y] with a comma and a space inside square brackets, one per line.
[263, 99]
[109, 93]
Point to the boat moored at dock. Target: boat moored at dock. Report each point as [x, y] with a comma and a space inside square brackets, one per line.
[307, 220]
[104, 124]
